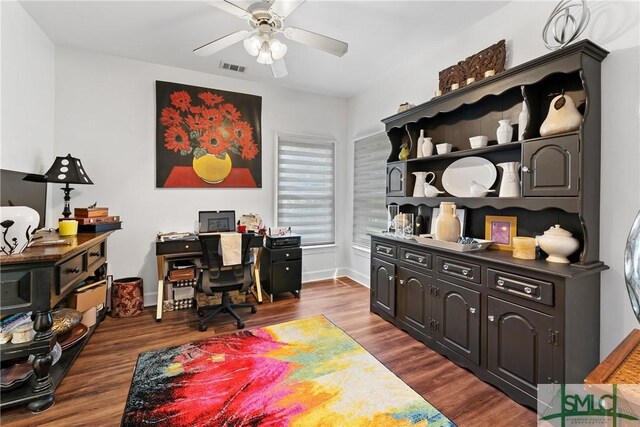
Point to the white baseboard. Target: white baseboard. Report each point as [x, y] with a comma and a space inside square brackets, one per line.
[354, 275]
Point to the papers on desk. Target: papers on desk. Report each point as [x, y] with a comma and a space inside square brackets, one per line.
[165, 237]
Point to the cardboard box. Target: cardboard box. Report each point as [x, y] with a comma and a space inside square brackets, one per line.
[91, 295]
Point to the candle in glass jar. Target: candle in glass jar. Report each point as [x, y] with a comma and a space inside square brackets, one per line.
[524, 247]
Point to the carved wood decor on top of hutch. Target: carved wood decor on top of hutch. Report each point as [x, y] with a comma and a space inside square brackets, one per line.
[491, 58]
[514, 323]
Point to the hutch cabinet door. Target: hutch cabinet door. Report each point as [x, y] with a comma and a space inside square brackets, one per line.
[550, 167]
[458, 319]
[520, 345]
[383, 286]
[414, 304]
[396, 179]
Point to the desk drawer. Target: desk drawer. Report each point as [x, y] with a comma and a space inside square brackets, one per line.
[415, 257]
[96, 254]
[384, 249]
[286, 276]
[70, 271]
[459, 269]
[177, 247]
[522, 287]
[286, 254]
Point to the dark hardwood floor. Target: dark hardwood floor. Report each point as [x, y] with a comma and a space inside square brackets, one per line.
[95, 390]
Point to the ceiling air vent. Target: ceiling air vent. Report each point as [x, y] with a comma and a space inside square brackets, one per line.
[231, 67]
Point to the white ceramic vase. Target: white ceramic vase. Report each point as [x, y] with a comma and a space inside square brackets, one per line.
[523, 120]
[426, 147]
[447, 224]
[505, 131]
[18, 225]
[510, 183]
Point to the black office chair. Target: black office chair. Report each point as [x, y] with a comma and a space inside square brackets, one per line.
[216, 278]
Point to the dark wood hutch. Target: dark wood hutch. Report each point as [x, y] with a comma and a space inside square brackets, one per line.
[514, 323]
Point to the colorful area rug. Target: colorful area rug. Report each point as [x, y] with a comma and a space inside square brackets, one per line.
[301, 373]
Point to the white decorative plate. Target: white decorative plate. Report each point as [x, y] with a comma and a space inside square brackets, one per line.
[457, 177]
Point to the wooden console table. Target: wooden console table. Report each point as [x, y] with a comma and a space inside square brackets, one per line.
[36, 280]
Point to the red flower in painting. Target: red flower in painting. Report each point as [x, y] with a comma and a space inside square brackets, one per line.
[214, 142]
[229, 112]
[170, 117]
[181, 100]
[210, 99]
[176, 139]
[211, 117]
[204, 129]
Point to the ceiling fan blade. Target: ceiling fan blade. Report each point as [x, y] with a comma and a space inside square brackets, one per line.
[284, 8]
[333, 46]
[231, 8]
[221, 43]
[279, 68]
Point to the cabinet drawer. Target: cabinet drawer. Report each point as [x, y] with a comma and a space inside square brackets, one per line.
[385, 249]
[286, 276]
[523, 287]
[286, 254]
[415, 257]
[96, 254]
[459, 269]
[178, 246]
[69, 271]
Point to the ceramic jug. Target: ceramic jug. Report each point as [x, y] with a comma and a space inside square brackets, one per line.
[421, 180]
[447, 224]
[426, 147]
[510, 183]
[504, 132]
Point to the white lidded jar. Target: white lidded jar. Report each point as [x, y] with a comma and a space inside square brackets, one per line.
[558, 243]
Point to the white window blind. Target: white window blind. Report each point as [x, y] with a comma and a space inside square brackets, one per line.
[369, 211]
[306, 188]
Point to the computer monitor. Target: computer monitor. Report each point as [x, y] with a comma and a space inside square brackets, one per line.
[217, 221]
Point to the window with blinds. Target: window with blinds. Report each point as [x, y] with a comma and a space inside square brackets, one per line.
[369, 210]
[306, 188]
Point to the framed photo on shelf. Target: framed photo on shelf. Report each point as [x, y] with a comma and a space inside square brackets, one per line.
[460, 213]
[501, 230]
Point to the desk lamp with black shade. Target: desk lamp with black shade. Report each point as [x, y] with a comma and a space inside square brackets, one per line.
[67, 170]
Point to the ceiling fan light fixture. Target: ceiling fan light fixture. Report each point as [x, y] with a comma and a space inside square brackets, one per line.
[278, 49]
[264, 56]
[252, 45]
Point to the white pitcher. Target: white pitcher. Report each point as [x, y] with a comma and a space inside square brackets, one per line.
[510, 183]
[421, 180]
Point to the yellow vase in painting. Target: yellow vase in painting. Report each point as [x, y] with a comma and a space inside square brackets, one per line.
[212, 169]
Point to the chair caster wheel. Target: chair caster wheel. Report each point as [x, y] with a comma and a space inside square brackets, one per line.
[200, 313]
[254, 310]
[240, 325]
[203, 328]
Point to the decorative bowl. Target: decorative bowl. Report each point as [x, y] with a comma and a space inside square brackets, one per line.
[478, 141]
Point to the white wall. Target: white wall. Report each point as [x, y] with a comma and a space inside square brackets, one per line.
[614, 26]
[27, 82]
[105, 115]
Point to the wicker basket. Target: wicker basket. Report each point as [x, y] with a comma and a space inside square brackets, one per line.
[204, 300]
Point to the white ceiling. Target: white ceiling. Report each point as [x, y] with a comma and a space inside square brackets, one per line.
[381, 35]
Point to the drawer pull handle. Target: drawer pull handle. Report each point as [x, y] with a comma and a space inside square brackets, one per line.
[527, 290]
[491, 318]
[421, 259]
[465, 272]
[500, 282]
[472, 310]
[186, 246]
[94, 253]
[73, 270]
[286, 268]
[446, 267]
[406, 256]
[401, 282]
[286, 254]
[390, 277]
[387, 250]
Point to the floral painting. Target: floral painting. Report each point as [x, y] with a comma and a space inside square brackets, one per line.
[207, 137]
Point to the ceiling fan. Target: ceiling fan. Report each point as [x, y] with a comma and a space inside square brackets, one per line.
[266, 20]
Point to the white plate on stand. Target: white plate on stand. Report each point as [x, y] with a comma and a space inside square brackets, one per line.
[457, 177]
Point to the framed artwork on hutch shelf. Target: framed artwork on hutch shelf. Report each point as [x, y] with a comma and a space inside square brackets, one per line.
[207, 138]
[501, 230]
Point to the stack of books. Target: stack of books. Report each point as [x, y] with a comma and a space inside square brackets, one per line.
[96, 220]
